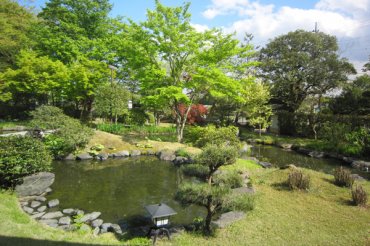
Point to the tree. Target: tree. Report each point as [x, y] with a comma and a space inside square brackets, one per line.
[35, 80]
[211, 194]
[257, 108]
[111, 101]
[15, 31]
[302, 63]
[182, 65]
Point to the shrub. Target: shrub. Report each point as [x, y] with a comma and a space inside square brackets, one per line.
[244, 202]
[212, 135]
[182, 152]
[21, 156]
[196, 170]
[297, 180]
[70, 133]
[359, 196]
[231, 179]
[343, 177]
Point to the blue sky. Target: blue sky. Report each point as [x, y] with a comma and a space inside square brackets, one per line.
[348, 20]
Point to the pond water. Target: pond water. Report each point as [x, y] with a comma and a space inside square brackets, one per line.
[120, 188]
[280, 157]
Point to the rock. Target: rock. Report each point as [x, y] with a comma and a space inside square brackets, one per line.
[85, 228]
[79, 212]
[179, 160]
[49, 222]
[116, 229]
[65, 220]
[53, 203]
[363, 165]
[243, 190]
[348, 160]
[265, 164]
[150, 152]
[28, 209]
[70, 157]
[67, 227]
[123, 153]
[316, 154]
[52, 215]
[303, 151]
[41, 209]
[38, 215]
[167, 155]
[48, 190]
[97, 223]
[35, 204]
[35, 184]
[84, 156]
[89, 217]
[105, 227]
[290, 166]
[286, 145]
[69, 211]
[228, 218]
[40, 199]
[357, 177]
[250, 158]
[23, 203]
[135, 153]
[102, 156]
[96, 231]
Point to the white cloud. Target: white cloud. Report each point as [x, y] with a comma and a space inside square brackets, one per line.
[346, 19]
[199, 27]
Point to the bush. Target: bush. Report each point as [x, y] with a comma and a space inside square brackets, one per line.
[359, 196]
[244, 202]
[182, 152]
[196, 170]
[202, 136]
[231, 179]
[70, 133]
[21, 156]
[343, 177]
[298, 181]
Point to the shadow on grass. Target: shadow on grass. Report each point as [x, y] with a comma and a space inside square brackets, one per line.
[346, 202]
[281, 186]
[20, 241]
[331, 181]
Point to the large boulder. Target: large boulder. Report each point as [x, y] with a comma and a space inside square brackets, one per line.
[179, 160]
[53, 203]
[84, 156]
[102, 156]
[35, 185]
[123, 153]
[228, 218]
[167, 155]
[135, 153]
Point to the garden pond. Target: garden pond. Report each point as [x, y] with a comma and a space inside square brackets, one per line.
[120, 188]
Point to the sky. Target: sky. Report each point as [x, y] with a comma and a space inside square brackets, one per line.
[348, 20]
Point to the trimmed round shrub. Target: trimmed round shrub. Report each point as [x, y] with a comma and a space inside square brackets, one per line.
[298, 181]
[22, 156]
[359, 196]
[343, 177]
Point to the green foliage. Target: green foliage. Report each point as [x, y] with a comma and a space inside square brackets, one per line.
[139, 241]
[359, 196]
[343, 177]
[70, 134]
[214, 157]
[298, 181]
[228, 178]
[136, 130]
[111, 101]
[21, 156]
[182, 152]
[202, 136]
[302, 63]
[77, 221]
[97, 147]
[16, 24]
[196, 170]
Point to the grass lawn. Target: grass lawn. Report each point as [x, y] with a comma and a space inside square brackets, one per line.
[321, 216]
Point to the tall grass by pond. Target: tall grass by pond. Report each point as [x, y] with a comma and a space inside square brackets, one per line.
[136, 130]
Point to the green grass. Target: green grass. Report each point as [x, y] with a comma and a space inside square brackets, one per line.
[242, 165]
[12, 123]
[323, 215]
[136, 130]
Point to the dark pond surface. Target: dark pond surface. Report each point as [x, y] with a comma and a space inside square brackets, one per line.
[280, 157]
[120, 188]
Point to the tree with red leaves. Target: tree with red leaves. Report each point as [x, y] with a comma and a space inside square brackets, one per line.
[196, 114]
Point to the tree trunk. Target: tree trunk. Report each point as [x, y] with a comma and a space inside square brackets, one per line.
[207, 225]
[260, 126]
[180, 123]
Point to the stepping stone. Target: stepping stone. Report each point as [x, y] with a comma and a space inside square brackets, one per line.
[40, 199]
[49, 222]
[65, 220]
[69, 211]
[53, 215]
[97, 223]
[41, 209]
[53, 203]
[38, 215]
[28, 209]
[35, 204]
[228, 218]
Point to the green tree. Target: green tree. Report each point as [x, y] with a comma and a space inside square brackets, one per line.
[16, 23]
[35, 80]
[111, 101]
[182, 65]
[302, 63]
[214, 195]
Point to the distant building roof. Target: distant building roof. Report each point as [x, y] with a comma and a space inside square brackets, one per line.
[159, 210]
